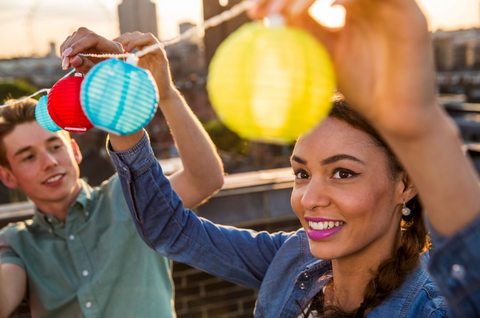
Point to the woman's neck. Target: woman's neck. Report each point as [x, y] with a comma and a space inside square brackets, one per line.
[352, 273]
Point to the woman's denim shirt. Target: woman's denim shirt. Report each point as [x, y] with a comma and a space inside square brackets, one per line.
[279, 265]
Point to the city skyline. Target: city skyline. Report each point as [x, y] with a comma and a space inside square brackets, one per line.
[35, 23]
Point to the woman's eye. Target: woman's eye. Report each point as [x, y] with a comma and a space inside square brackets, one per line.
[343, 174]
[301, 175]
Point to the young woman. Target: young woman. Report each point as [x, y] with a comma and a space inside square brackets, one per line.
[350, 258]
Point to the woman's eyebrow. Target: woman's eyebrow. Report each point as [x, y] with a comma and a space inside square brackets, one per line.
[336, 158]
[298, 159]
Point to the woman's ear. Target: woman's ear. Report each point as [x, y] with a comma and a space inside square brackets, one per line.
[409, 189]
[8, 178]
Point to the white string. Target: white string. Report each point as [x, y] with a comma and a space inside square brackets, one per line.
[214, 21]
[46, 90]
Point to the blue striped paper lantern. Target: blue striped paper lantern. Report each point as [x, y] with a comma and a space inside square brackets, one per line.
[43, 117]
[119, 97]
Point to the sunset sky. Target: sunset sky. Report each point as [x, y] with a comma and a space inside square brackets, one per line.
[27, 26]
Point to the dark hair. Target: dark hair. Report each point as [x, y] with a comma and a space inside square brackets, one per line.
[392, 272]
[11, 116]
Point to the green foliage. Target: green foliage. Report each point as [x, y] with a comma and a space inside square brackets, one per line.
[16, 89]
[225, 139]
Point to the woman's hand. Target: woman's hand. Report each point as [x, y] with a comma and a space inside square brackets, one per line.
[382, 56]
[156, 62]
[85, 41]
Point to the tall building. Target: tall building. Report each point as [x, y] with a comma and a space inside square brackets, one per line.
[138, 15]
[214, 36]
[457, 50]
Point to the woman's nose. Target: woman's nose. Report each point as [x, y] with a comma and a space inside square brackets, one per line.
[315, 195]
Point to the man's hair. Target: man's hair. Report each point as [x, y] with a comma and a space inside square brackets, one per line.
[11, 116]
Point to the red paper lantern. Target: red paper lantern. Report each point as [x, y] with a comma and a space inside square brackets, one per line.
[64, 105]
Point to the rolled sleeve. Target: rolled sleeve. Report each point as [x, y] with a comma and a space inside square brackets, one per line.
[455, 266]
[134, 161]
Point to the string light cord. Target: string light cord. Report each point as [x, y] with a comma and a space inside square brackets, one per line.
[235, 11]
[227, 15]
[43, 90]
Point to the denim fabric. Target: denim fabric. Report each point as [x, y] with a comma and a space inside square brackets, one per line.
[455, 266]
[279, 265]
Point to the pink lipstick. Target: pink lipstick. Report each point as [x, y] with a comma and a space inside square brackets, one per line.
[318, 233]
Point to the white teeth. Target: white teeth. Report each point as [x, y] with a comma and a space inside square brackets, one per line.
[53, 179]
[326, 225]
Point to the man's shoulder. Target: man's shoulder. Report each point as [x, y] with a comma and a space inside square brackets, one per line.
[18, 227]
[16, 234]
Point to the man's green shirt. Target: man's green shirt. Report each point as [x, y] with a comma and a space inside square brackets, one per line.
[93, 265]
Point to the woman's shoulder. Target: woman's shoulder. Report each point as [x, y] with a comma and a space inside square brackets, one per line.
[429, 302]
[417, 297]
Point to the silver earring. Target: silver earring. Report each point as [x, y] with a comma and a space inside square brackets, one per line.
[405, 211]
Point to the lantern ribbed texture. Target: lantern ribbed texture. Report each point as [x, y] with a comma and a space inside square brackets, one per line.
[43, 117]
[119, 97]
[271, 84]
[64, 105]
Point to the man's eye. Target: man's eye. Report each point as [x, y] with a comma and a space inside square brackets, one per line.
[28, 158]
[301, 174]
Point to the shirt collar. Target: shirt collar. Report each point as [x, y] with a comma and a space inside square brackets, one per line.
[83, 200]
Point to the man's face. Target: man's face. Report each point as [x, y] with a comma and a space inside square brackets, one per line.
[43, 164]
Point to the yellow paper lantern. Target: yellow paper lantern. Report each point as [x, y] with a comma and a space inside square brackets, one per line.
[271, 84]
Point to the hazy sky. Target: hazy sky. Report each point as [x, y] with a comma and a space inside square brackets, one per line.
[26, 26]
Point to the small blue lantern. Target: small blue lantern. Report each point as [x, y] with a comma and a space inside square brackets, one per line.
[119, 97]
[42, 115]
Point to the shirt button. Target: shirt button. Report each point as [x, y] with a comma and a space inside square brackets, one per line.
[302, 286]
[71, 237]
[85, 273]
[50, 230]
[458, 272]
[88, 304]
[50, 220]
[87, 213]
[305, 275]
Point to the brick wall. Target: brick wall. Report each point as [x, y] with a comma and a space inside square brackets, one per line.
[200, 295]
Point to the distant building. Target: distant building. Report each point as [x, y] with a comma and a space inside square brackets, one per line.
[457, 50]
[138, 15]
[214, 36]
[42, 72]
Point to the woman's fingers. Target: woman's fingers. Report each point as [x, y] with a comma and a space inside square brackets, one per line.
[138, 40]
[85, 41]
[264, 8]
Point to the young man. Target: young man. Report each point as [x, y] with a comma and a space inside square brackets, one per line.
[80, 255]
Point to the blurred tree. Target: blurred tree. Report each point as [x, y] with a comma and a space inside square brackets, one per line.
[16, 89]
[225, 139]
